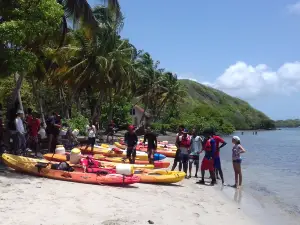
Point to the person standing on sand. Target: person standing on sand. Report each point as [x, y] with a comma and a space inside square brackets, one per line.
[34, 125]
[21, 132]
[177, 155]
[194, 152]
[131, 140]
[150, 137]
[91, 132]
[237, 150]
[184, 143]
[217, 160]
[209, 146]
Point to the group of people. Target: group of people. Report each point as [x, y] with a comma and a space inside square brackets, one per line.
[190, 146]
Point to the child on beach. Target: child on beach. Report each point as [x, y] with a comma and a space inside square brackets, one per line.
[237, 150]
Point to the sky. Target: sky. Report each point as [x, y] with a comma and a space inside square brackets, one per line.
[248, 49]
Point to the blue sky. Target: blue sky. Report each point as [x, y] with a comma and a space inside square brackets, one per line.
[249, 49]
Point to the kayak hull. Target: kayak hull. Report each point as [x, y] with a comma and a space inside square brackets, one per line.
[28, 165]
[140, 155]
[110, 164]
[160, 176]
[157, 164]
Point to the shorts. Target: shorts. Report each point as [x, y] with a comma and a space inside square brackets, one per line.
[131, 152]
[194, 158]
[184, 157]
[91, 141]
[237, 160]
[217, 163]
[207, 164]
[177, 155]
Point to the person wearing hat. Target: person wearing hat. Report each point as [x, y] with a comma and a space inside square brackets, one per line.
[20, 131]
[237, 150]
[131, 140]
[209, 147]
[184, 143]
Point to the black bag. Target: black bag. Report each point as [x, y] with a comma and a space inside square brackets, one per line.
[62, 166]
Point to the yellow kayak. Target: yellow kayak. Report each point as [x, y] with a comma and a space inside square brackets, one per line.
[159, 176]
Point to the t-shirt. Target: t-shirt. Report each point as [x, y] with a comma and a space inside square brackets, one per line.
[34, 125]
[131, 139]
[236, 152]
[218, 140]
[91, 131]
[19, 125]
[195, 145]
[151, 139]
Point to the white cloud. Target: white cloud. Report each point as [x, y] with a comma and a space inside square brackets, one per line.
[294, 8]
[188, 76]
[249, 82]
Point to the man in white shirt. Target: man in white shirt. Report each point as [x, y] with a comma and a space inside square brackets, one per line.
[20, 132]
[91, 132]
[196, 143]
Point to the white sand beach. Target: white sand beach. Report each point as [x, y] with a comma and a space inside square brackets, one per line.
[30, 200]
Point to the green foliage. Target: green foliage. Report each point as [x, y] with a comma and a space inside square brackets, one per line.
[25, 26]
[79, 122]
[287, 123]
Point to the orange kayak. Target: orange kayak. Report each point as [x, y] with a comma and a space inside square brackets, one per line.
[157, 164]
[167, 152]
[105, 163]
[32, 166]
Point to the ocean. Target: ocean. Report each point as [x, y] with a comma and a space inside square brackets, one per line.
[271, 176]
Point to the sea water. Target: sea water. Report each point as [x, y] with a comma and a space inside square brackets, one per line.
[271, 175]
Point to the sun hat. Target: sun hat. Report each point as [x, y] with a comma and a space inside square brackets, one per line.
[236, 138]
[185, 131]
[20, 111]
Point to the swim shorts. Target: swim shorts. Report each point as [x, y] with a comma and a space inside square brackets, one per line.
[194, 158]
[207, 164]
[184, 157]
[131, 152]
[237, 160]
[217, 163]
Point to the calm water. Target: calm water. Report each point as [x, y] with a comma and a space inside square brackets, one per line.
[271, 175]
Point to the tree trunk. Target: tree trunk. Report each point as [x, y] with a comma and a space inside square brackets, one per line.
[17, 76]
[110, 111]
[39, 100]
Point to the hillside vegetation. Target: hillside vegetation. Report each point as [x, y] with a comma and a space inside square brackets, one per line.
[288, 123]
[210, 107]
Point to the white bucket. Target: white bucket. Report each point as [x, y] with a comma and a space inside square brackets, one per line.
[75, 132]
[75, 156]
[62, 132]
[60, 149]
[124, 169]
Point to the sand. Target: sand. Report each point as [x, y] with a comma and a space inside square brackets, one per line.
[31, 200]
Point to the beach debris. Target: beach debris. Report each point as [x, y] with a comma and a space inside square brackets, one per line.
[150, 222]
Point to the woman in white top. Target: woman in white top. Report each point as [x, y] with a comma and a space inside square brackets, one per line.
[237, 150]
[91, 132]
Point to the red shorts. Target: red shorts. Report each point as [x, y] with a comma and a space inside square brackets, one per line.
[207, 164]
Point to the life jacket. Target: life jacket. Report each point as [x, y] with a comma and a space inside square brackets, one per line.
[207, 145]
[90, 162]
[184, 142]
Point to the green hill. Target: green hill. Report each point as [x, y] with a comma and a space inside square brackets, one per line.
[221, 109]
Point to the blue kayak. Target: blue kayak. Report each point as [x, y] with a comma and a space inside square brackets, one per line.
[158, 156]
